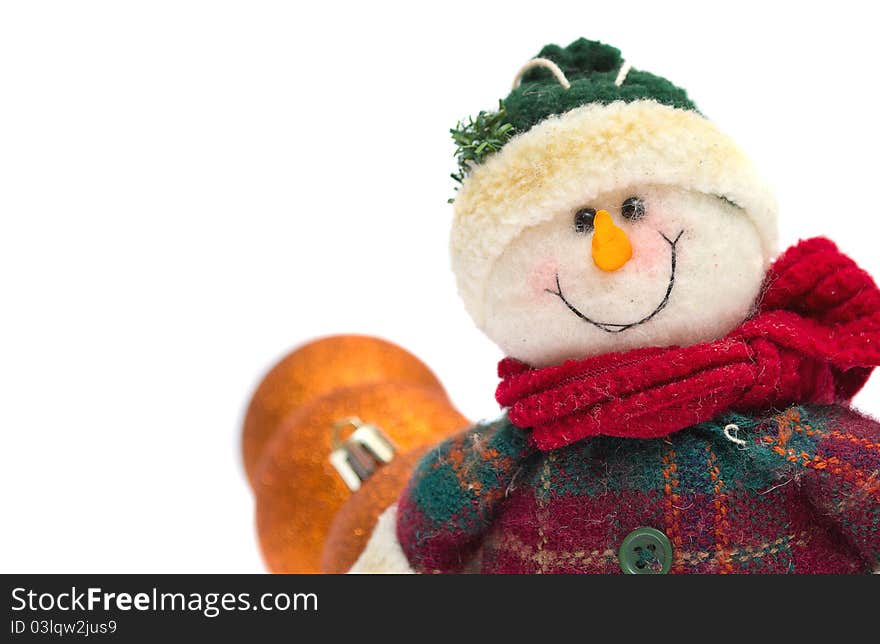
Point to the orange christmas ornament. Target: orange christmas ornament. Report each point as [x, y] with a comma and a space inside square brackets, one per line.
[318, 368]
[299, 491]
[356, 519]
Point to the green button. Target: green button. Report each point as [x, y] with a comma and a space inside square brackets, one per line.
[645, 551]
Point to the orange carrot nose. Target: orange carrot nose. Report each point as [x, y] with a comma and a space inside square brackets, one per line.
[611, 247]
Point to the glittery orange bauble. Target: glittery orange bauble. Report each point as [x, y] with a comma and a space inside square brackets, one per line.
[318, 368]
[356, 519]
[299, 492]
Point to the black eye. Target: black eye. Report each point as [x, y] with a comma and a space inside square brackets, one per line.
[633, 209]
[583, 220]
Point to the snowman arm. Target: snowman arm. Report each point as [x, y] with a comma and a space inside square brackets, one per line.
[831, 455]
[842, 478]
[454, 495]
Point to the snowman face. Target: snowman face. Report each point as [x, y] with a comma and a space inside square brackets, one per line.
[694, 272]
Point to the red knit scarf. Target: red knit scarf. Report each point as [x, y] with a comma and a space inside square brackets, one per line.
[815, 337]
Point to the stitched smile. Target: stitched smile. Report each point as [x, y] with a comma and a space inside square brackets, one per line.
[612, 327]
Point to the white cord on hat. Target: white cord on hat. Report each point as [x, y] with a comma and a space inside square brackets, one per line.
[621, 75]
[560, 76]
[542, 62]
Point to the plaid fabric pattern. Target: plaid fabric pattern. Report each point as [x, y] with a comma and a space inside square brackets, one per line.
[802, 495]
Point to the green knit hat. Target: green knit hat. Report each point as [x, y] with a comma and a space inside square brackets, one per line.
[592, 69]
[593, 73]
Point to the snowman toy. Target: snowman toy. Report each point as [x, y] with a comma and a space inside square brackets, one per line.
[676, 396]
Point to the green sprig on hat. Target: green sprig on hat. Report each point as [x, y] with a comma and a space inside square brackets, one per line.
[479, 137]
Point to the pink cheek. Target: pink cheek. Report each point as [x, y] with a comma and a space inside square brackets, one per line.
[646, 257]
[542, 276]
[650, 252]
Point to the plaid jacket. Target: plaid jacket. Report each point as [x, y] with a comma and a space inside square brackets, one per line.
[794, 492]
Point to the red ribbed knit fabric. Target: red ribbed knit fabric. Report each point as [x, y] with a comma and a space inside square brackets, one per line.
[814, 339]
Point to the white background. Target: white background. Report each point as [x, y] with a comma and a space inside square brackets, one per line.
[188, 189]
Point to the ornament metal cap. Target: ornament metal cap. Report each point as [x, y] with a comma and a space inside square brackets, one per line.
[362, 453]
